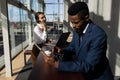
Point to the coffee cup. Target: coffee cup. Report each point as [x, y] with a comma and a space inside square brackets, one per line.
[48, 52]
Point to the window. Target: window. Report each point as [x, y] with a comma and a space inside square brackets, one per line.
[1, 42]
[56, 12]
[18, 26]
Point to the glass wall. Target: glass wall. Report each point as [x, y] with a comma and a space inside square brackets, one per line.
[33, 24]
[57, 10]
[24, 2]
[33, 5]
[1, 41]
[24, 29]
[54, 15]
[18, 26]
[14, 24]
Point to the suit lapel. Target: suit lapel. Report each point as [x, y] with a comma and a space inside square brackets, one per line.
[86, 35]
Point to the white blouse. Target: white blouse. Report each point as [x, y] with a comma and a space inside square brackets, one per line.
[39, 35]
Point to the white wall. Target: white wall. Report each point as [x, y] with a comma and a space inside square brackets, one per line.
[106, 14]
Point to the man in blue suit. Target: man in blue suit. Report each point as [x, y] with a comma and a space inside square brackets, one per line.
[88, 46]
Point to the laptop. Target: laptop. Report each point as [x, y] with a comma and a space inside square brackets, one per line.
[62, 41]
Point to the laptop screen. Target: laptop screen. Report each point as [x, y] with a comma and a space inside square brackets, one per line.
[62, 41]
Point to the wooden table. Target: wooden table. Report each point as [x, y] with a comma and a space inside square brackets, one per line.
[43, 71]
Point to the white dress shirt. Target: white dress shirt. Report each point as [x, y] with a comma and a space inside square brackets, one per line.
[85, 28]
[84, 31]
[39, 35]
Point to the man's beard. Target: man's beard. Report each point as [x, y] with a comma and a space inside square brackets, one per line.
[77, 30]
[80, 30]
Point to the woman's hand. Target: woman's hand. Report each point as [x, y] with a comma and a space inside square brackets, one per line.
[43, 26]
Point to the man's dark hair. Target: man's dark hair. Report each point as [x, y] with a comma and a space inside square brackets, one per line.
[37, 16]
[79, 8]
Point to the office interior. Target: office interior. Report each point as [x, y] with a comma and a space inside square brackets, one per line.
[17, 23]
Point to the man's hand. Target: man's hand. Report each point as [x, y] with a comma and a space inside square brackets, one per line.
[56, 50]
[50, 60]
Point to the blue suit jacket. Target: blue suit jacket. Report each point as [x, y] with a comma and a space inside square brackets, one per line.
[90, 55]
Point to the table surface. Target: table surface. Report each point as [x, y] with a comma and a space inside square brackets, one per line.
[43, 71]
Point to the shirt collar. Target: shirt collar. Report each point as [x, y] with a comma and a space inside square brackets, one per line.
[39, 25]
[86, 28]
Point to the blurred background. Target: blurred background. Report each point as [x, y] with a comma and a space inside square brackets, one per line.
[17, 22]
